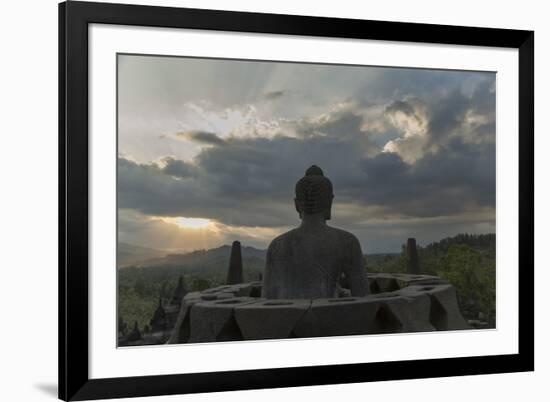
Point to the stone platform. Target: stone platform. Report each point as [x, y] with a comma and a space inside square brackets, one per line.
[397, 303]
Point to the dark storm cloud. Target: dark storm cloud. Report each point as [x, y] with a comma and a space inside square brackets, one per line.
[250, 181]
[272, 95]
[484, 99]
[246, 182]
[177, 168]
[131, 172]
[484, 103]
[340, 124]
[449, 115]
[203, 137]
[400, 106]
[458, 178]
[269, 168]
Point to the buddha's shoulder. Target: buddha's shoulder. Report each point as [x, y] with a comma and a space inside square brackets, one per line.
[342, 235]
[330, 233]
[283, 238]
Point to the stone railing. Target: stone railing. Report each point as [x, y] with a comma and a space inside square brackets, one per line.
[397, 303]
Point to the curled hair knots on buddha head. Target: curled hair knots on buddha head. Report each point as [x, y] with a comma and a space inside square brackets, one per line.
[314, 192]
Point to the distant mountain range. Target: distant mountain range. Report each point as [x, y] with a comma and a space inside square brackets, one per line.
[215, 261]
[128, 254]
[204, 261]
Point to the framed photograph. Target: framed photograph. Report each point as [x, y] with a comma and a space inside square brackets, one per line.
[257, 200]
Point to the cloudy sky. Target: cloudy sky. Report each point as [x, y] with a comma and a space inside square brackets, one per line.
[209, 150]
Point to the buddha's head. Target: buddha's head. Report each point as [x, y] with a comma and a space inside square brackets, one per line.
[314, 193]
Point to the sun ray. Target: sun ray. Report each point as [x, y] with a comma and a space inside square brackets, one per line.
[192, 223]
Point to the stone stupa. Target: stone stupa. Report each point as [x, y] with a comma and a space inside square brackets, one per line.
[235, 271]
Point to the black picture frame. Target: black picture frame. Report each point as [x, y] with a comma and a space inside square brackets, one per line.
[74, 18]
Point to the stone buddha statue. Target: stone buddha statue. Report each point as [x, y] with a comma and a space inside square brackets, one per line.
[309, 261]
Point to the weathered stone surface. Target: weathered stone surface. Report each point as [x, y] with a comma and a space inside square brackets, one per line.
[341, 316]
[256, 289]
[214, 320]
[154, 338]
[217, 289]
[385, 320]
[421, 303]
[235, 271]
[172, 312]
[217, 296]
[179, 293]
[134, 335]
[444, 311]
[270, 319]
[181, 331]
[380, 282]
[193, 295]
[412, 257]
[308, 262]
[398, 313]
[426, 280]
[241, 289]
[158, 321]
[383, 283]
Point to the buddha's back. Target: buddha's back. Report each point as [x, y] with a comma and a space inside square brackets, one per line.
[307, 262]
[304, 264]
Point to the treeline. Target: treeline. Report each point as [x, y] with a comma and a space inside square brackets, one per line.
[465, 260]
[139, 288]
[484, 243]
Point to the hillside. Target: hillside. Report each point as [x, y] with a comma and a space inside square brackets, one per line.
[208, 259]
[206, 262]
[128, 254]
[140, 284]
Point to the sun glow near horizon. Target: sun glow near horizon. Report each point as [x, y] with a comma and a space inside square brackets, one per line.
[192, 223]
[189, 233]
[188, 223]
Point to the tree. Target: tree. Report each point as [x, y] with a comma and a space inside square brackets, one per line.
[473, 275]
